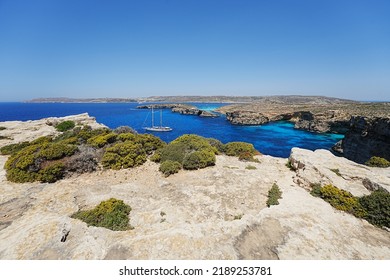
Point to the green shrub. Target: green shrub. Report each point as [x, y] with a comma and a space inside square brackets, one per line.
[126, 137]
[21, 176]
[170, 167]
[13, 148]
[250, 167]
[2, 128]
[336, 171]
[174, 152]
[342, 200]
[149, 142]
[315, 189]
[377, 162]
[124, 129]
[124, 155]
[237, 148]
[65, 125]
[218, 145]
[100, 141]
[377, 207]
[51, 173]
[59, 150]
[199, 159]
[193, 142]
[87, 132]
[273, 195]
[112, 214]
[42, 140]
[156, 157]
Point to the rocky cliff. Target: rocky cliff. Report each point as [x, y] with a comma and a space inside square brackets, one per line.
[366, 137]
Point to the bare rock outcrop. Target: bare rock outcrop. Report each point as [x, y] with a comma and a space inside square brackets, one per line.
[18, 131]
[321, 166]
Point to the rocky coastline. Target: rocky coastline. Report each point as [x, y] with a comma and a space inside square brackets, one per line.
[183, 109]
[366, 126]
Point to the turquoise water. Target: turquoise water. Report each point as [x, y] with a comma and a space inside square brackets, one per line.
[274, 139]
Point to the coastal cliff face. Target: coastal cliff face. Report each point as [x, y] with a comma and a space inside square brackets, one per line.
[365, 138]
[246, 118]
[214, 213]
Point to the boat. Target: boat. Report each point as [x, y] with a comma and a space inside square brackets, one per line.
[158, 128]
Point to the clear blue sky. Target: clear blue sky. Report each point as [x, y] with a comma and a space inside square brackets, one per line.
[79, 48]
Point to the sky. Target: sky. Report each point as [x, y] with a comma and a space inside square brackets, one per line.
[114, 48]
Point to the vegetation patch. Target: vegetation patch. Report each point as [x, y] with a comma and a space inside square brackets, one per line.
[273, 195]
[375, 207]
[336, 171]
[378, 162]
[190, 151]
[65, 125]
[124, 155]
[13, 148]
[239, 148]
[250, 167]
[290, 166]
[112, 214]
[170, 167]
[2, 128]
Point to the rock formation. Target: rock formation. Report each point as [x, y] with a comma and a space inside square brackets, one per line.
[365, 138]
[183, 109]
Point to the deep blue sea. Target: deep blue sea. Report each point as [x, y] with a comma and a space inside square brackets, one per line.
[274, 139]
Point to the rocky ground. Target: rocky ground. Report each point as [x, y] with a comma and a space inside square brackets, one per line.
[215, 213]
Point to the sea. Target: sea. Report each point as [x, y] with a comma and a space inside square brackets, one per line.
[275, 139]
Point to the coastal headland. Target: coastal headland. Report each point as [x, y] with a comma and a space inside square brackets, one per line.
[217, 212]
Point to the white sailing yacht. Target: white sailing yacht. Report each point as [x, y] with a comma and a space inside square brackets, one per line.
[158, 128]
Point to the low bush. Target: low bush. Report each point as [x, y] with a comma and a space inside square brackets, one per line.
[191, 151]
[173, 152]
[342, 200]
[250, 167]
[170, 167]
[102, 140]
[124, 155]
[218, 145]
[51, 173]
[65, 125]
[336, 171]
[112, 214]
[83, 162]
[2, 128]
[51, 151]
[149, 142]
[126, 137]
[156, 157]
[315, 189]
[238, 148]
[13, 148]
[377, 162]
[124, 129]
[199, 159]
[377, 207]
[273, 195]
